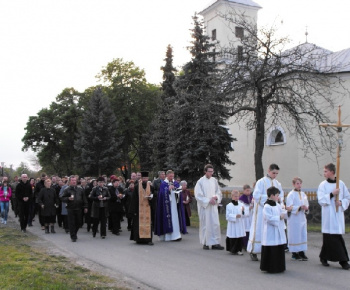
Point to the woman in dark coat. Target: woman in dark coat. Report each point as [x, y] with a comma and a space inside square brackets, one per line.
[87, 191]
[48, 202]
[186, 199]
[116, 209]
[99, 210]
[128, 192]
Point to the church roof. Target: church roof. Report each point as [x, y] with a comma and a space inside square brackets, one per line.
[324, 59]
[342, 58]
[242, 2]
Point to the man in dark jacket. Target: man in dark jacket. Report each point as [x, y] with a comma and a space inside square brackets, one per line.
[99, 210]
[24, 197]
[40, 185]
[116, 203]
[76, 200]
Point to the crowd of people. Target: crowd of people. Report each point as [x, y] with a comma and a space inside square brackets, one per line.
[260, 220]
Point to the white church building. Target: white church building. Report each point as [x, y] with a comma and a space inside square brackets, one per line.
[280, 147]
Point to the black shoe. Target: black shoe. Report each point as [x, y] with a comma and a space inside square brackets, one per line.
[23, 230]
[74, 240]
[324, 262]
[103, 237]
[253, 257]
[205, 247]
[67, 231]
[345, 265]
[93, 235]
[117, 233]
[150, 244]
[178, 240]
[296, 257]
[217, 247]
[53, 230]
[302, 256]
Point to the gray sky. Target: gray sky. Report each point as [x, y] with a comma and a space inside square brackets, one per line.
[49, 45]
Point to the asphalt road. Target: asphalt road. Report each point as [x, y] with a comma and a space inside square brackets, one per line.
[185, 265]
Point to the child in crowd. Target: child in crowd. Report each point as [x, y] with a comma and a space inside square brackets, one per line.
[235, 225]
[273, 236]
[297, 205]
[247, 199]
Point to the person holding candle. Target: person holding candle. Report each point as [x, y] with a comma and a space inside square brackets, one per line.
[76, 200]
[100, 197]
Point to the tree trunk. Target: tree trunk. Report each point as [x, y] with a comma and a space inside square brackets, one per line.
[259, 140]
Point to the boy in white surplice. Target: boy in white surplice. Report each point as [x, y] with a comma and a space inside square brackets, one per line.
[235, 225]
[297, 206]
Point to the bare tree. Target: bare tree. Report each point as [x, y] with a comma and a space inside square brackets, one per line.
[270, 85]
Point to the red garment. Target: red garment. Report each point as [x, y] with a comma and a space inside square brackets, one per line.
[2, 194]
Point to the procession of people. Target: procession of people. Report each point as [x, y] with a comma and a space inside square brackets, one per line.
[260, 220]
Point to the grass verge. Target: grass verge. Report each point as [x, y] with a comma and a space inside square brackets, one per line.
[25, 265]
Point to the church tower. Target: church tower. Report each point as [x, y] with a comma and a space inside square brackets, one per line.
[218, 29]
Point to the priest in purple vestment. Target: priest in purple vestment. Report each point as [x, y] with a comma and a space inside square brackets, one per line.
[170, 214]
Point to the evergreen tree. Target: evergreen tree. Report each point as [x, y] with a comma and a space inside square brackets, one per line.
[197, 134]
[162, 121]
[97, 141]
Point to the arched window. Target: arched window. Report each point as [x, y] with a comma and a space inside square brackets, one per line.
[276, 136]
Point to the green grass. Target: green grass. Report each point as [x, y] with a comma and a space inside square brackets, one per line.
[26, 265]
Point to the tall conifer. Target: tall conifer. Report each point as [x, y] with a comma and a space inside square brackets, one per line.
[97, 137]
[162, 122]
[197, 120]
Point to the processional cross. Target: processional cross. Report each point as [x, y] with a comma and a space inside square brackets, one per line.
[339, 127]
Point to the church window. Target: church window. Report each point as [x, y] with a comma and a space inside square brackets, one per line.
[239, 32]
[213, 34]
[276, 136]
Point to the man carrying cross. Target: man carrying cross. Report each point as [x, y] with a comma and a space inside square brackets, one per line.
[333, 223]
[334, 198]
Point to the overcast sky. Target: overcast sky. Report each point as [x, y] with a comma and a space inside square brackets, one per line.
[49, 45]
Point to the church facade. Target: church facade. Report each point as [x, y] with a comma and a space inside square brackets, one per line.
[280, 147]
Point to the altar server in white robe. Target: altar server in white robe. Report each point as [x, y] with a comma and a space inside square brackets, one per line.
[333, 222]
[208, 196]
[297, 205]
[273, 237]
[260, 197]
[235, 232]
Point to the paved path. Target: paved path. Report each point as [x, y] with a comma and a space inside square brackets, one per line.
[185, 265]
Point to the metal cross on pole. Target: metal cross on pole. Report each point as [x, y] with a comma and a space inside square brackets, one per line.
[339, 127]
